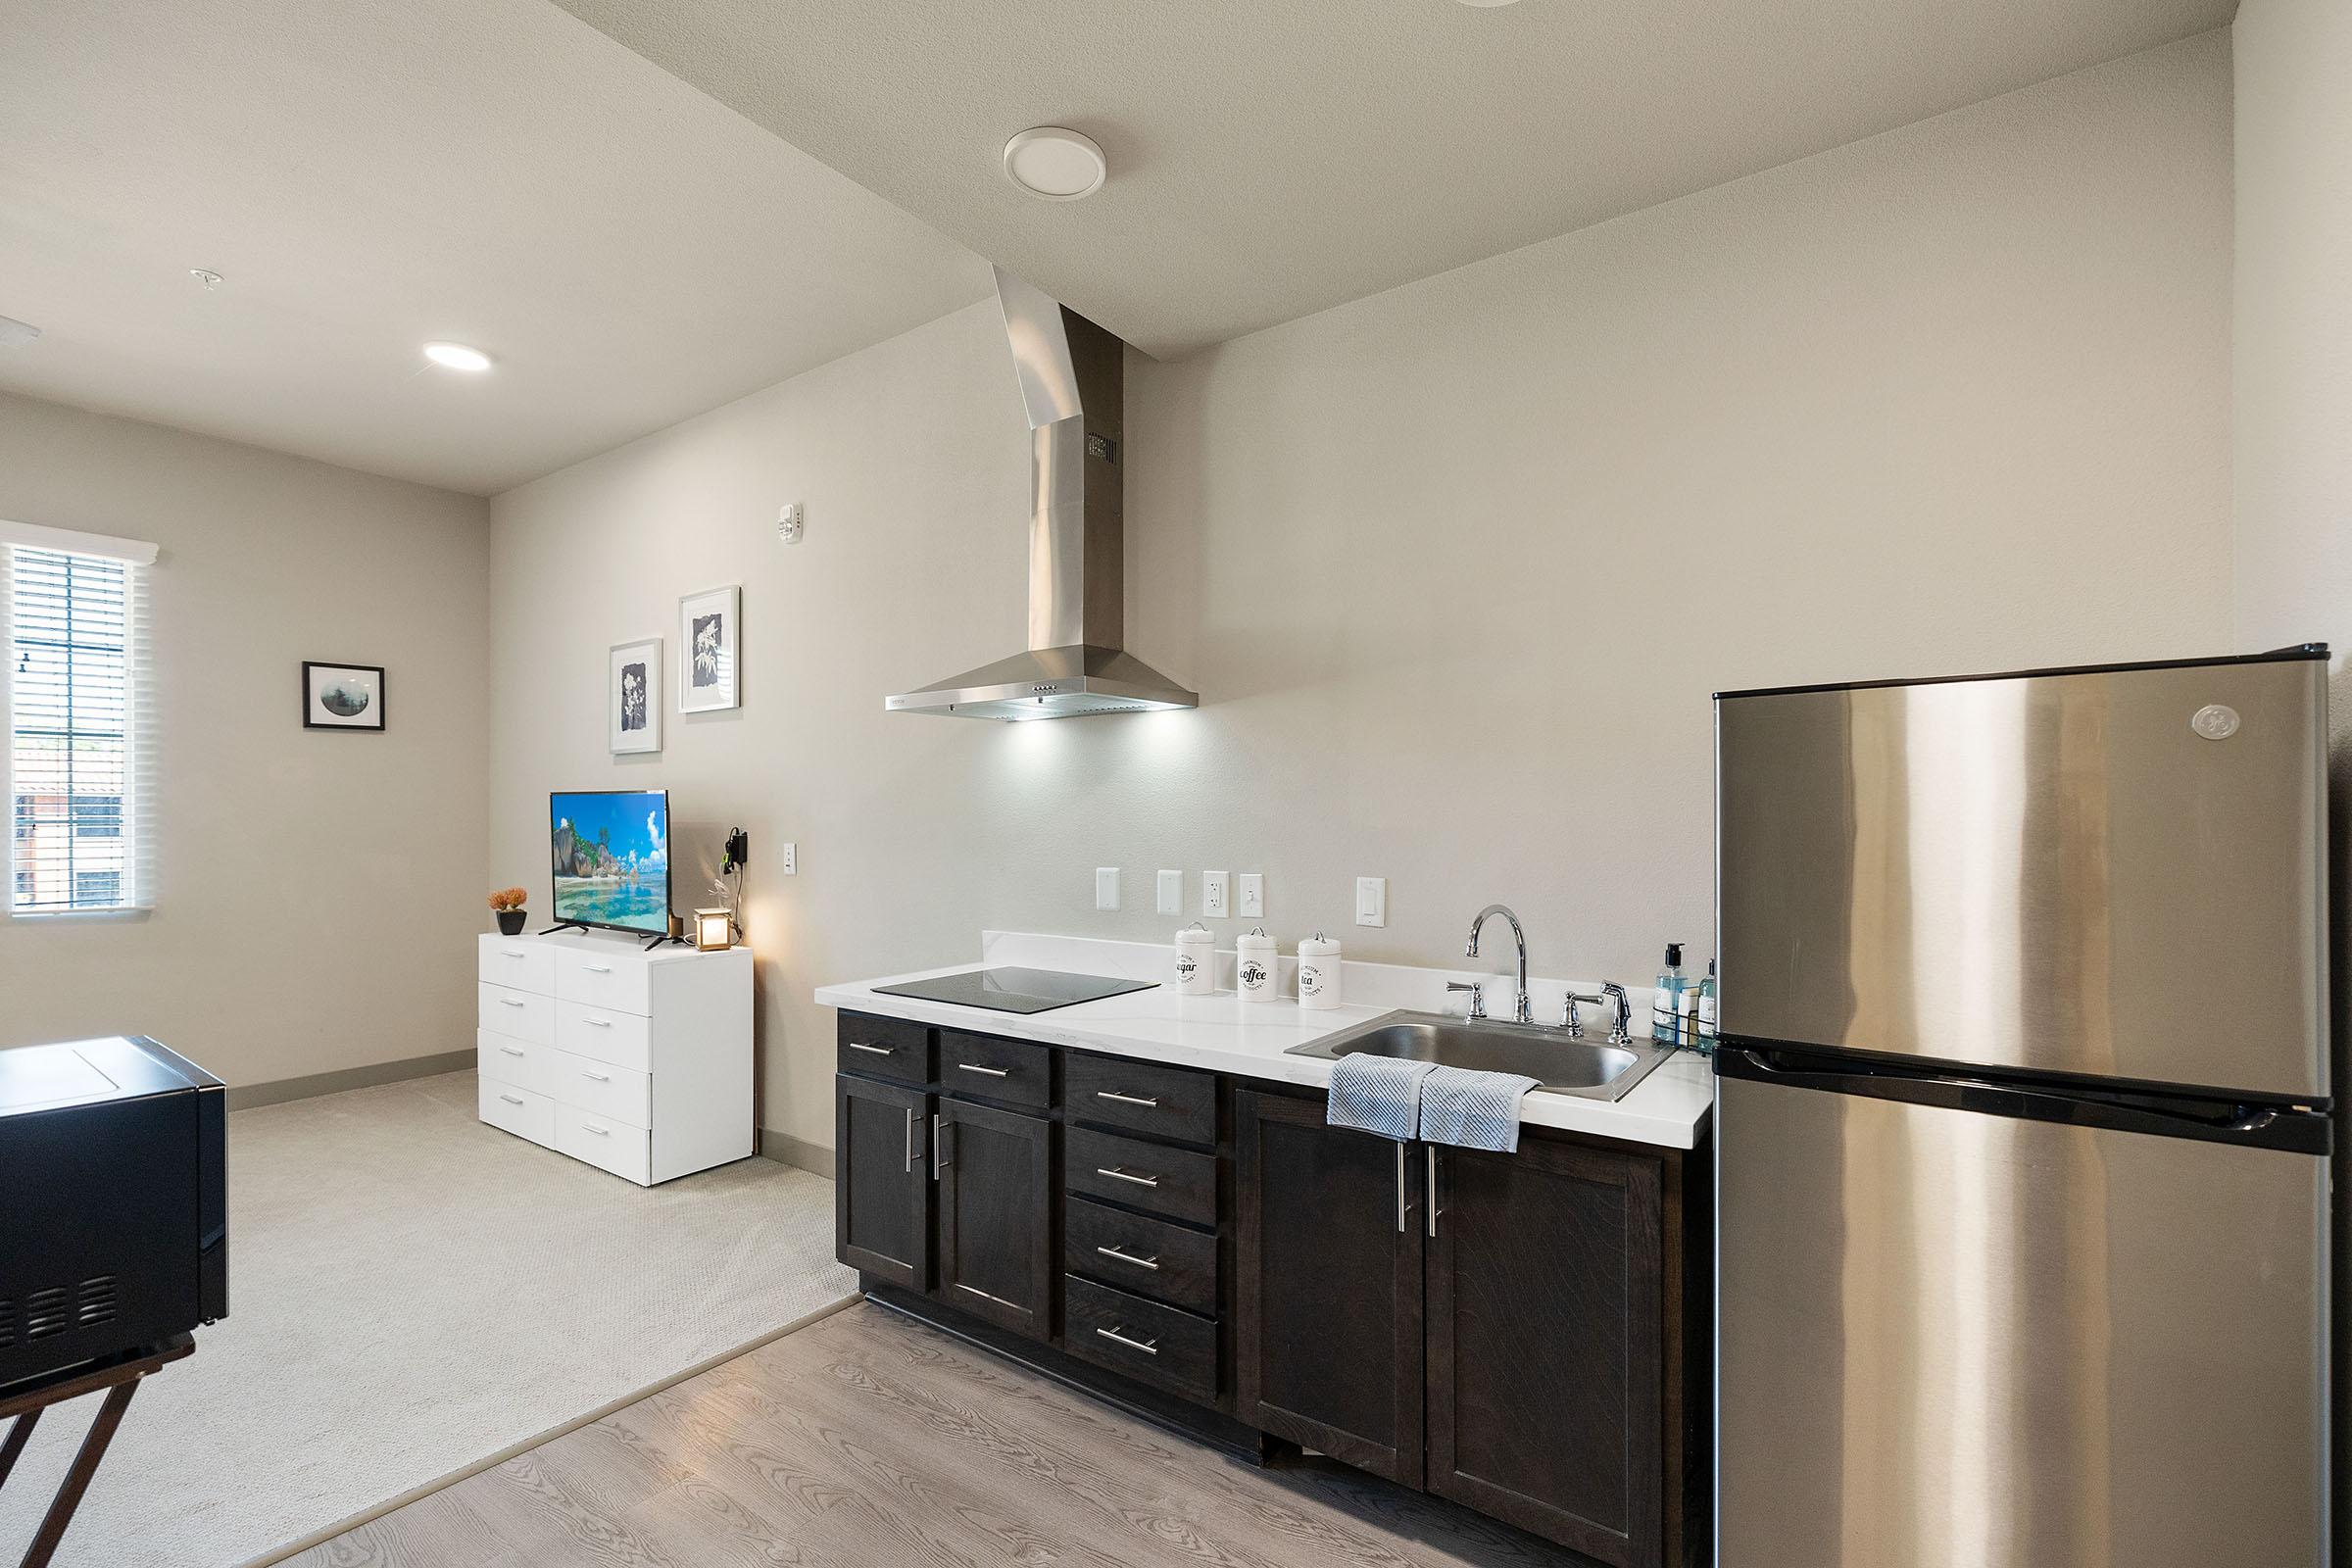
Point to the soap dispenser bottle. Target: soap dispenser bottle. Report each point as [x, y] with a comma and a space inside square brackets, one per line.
[1705, 1013]
[1666, 1002]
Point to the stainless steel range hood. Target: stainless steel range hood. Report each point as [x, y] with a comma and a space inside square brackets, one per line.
[1072, 384]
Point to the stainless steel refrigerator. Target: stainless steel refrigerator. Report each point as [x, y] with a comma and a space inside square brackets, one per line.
[2022, 1120]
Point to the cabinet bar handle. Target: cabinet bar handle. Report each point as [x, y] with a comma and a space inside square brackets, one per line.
[597, 1023]
[1401, 1189]
[599, 1077]
[513, 954]
[1152, 1263]
[591, 1127]
[908, 1168]
[1127, 1100]
[873, 1051]
[1147, 1346]
[992, 1072]
[1433, 1189]
[511, 1051]
[510, 1100]
[985, 1297]
[508, 1002]
[598, 968]
[1118, 1175]
[939, 1148]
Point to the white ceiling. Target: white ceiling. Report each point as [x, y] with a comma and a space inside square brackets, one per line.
[367, 177]
[1270, 158]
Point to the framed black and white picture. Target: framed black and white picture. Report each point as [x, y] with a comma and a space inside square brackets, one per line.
[633, 696]
[707, 667]
[342, 696]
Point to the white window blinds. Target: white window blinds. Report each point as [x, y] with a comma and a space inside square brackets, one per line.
[74, 689]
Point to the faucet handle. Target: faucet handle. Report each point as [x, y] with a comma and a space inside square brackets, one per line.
[1478, 1002]
[1622, 1031]
[1576, 1025]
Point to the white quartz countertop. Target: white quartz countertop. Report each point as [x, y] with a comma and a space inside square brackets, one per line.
[1221, 1033]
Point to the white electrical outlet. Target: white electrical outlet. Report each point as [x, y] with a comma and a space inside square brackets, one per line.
[792, 859]
[1251, 893]
[1106, 887]
[1171, 892]
[1214, 903]
[1371, 901]
[788, 522]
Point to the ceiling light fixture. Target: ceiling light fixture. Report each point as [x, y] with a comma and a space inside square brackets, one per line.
[1055, 164]
[205, 275]
[457, 356]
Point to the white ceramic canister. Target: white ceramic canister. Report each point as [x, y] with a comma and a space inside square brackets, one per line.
[1255, 970]
[1318, 972]
[1195, 960]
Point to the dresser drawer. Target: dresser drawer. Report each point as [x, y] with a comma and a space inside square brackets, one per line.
[512, 1109]
[606, 1141]
[1148, 1342]
[1174, 1182]
[523, 1015]
[620, 982]
[1147, 1256]
[884, 1048]
[1011, 1070]
[1166, 1101]
[512, 1062]
[602, 1088]
[522, 965]
[622, 1039]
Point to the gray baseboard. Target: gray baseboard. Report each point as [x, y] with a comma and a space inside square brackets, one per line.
[245, 1096]
[797, 1151]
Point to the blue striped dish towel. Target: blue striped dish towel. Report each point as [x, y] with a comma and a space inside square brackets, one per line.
[1473, 1110]
[1378, 1094]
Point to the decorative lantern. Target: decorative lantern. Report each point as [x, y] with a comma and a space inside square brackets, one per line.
[713, 929]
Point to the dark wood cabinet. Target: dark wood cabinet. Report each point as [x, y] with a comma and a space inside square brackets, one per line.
[997, 1256]
[1329, 1257]
[882, 1180]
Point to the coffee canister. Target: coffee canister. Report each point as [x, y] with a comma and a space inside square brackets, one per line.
[1255, 970]
[1195, 960]
[1318, 972]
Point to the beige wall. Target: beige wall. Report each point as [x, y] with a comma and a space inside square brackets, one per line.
[1455, 567]
[315, 893]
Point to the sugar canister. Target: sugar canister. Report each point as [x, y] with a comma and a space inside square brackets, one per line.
[1195, 960]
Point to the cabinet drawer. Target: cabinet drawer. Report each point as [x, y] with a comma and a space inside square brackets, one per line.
[884, 1048]
[622, 1039]
[1174, 1182]
[605, 1142]
[522, 1016]
[1011, 1070]
[512, 1109]
[599, 1088]
[621, 981]
[1148, 1342]
[513, 961]
[1146, 1256]
[513, 1062]
[1166, 1101]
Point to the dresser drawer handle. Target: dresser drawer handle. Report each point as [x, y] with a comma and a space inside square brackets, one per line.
[598, 968]
[511, 954]
[597, 1023]
[992, 1072]
[510, 1001]
[510, 1100]
[1126, 1099]
[591, 1127]
[1152, 1263]
[1147, 1346]
[511, 1051]
[873, 1051]
[1118, 1175]
[599, 1077]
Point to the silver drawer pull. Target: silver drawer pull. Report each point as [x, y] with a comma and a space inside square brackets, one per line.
[510, 1100]
[508, 1002]
[1147, 1346]
[1152, 1263]
[599, 1077]
[591, 1127]
[597, 1023]
[992, 1072]
[1127, 1100]
[873, 1051]
[1118, 1175]
[511, 1051]
[599, 969]
[511, 954]
[985, 1297]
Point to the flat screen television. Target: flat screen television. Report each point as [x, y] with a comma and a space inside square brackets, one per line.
[609, 849]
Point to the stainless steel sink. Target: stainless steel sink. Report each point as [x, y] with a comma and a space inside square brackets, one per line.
[1592, 1068]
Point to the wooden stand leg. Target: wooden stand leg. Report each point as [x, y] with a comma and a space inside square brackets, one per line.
[19, 1432]
[77, 1479]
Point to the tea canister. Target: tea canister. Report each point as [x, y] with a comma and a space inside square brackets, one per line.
[1318, 972]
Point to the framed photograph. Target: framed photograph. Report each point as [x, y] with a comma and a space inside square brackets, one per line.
[709, 670]
[633, 696]
[342, 696]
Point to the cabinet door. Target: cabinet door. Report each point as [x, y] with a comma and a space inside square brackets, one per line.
[996, 1237]
[882, 1180]
[1329, 1329]
[1546, 1348]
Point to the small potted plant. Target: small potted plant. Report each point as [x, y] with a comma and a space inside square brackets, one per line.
[508, 903]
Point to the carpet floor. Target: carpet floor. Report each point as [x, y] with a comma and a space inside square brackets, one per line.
[411, 1293]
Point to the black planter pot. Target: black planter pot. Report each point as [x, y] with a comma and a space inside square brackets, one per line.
[512, 921]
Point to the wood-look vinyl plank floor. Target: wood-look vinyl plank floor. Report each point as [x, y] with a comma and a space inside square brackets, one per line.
[867, 1441]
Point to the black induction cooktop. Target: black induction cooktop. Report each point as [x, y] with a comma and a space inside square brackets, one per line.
[1015, 990]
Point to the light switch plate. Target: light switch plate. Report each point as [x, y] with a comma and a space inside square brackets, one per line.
[792, 859]
[1106, 887]
[1250, 893]
[1171, 892]
[1371, 901]
[1216, 902]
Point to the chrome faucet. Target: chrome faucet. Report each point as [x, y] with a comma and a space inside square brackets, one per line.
[1621, 1028]
[1526, 1010]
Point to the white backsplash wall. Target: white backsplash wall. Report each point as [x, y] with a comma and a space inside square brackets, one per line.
[1455, 567]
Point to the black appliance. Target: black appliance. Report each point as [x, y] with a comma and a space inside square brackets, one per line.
[1013, 990]
[114, 1204]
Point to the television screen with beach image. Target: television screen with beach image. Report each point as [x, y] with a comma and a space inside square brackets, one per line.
[611, 853]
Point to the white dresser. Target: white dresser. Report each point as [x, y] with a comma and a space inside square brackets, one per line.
[637, 1062]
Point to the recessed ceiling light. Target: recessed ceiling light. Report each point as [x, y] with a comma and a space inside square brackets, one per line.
[1055, 164]
[457, 356]
[205, 275]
